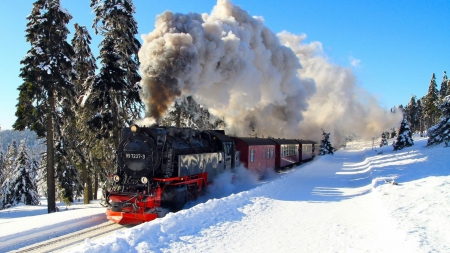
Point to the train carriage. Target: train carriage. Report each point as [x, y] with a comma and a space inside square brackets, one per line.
[257, 154]
[306, 150]
[316, 148]
[286, 153]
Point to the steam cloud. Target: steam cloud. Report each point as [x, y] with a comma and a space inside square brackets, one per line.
[241, 71]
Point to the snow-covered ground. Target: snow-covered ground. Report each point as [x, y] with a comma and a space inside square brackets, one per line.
[337, 203]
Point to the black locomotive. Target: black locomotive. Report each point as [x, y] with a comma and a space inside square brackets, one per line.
[165, 167]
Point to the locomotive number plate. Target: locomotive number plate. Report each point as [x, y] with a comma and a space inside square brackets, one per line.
[135, 156]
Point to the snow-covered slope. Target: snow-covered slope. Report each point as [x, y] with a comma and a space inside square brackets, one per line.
[337, 203]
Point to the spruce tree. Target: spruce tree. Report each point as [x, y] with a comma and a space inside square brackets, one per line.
[404, 138]
[393, 133]
[383, 140]
[5, 176]
[2, 165]
[420, 113]
[46, 71]
[325, 145]
[8, 160]
[430, 109]
[82, 137]
[412, 113]
[116, 91]
[444, 83]
[441, 131]
[23, 182]
[11, 154]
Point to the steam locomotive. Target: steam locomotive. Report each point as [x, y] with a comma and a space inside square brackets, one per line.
[164, 167]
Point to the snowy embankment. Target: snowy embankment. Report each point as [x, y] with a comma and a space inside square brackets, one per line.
[25, 225]
[338, 203]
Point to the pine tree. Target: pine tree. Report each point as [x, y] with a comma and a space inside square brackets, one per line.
[116, 88]
[444, 83]
[404, 138]
[325, 145]
[5, 188]
[441, 131]
[82, 137]
[11, 154]
[3, 176]
[430, 109]
[383, 140]
[23, 183]
[420, 115]
[412, 113]
[2, 165]
[393, 133]
[46, 71]
[8, 161]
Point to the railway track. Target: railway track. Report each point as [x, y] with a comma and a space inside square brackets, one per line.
[73, 239]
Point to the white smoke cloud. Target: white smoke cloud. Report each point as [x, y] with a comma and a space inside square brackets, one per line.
[339, 106]
[240, 70]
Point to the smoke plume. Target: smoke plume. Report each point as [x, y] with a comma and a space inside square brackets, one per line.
[254, 79]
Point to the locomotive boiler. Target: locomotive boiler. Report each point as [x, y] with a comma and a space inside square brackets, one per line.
[164, 167]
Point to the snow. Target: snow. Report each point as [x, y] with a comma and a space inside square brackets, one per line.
[344, 202]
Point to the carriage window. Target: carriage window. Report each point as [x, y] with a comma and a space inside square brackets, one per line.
[267, 153]
[271, 153]
[252, 155]
[227, 147]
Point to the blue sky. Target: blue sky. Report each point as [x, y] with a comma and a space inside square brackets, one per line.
[394, 46]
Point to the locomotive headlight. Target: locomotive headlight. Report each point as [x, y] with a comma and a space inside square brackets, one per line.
[144, 180]
[116, 178]
[134, 128]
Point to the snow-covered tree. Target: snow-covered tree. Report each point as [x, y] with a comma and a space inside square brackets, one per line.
[8, 161]
[441, 132]
[83, 139]
[383, 140]
[2, 165]
[404, 138]
[186, 112]
[47, 87]
[24, 178]
[11, 154]
[20, 187]
[325, 145]
[430, 109]
[116, 89]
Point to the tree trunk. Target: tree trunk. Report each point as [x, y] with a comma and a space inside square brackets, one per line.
[95, 185]
[51, 202]
[90, 187]
[85, 183]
